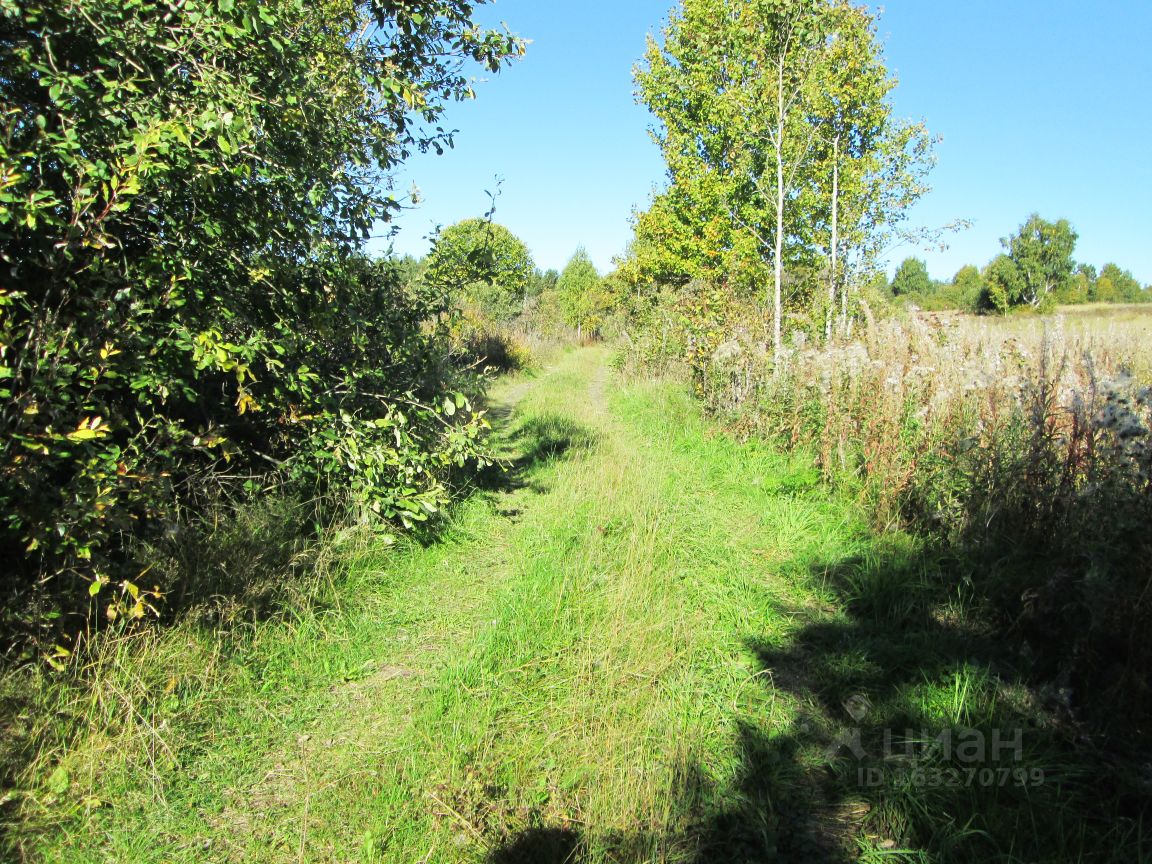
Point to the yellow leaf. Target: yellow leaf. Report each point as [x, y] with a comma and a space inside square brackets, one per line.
[246, 403]
[89, 428]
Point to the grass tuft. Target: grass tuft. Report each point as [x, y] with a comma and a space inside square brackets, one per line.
[644, 641]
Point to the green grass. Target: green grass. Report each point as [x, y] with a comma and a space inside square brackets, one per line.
[634, 645]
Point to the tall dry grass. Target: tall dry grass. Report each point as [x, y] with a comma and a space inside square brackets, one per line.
[1023, 445]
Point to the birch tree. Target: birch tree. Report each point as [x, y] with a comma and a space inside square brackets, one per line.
[732, 87]
[853, 116]
[778, 109]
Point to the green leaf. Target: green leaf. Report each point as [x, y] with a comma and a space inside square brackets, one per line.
[59, 781]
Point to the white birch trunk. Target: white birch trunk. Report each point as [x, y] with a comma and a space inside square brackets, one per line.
[778, 293]
[835, 239]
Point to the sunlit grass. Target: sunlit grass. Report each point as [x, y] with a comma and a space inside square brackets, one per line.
[636, 646]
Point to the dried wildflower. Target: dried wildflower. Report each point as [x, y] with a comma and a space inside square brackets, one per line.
[727, 352]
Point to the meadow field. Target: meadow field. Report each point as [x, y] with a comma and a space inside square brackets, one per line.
[654, 638]
[328, 541]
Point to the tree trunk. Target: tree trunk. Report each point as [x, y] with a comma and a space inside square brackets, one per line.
[835, 246]
[778, 293]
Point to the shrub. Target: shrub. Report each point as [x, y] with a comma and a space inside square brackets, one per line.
[182, 195]
[480, 343]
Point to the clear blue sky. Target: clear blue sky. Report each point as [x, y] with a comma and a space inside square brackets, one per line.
[1043, 105]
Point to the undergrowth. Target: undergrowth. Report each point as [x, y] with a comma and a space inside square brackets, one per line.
[646, 641]
[1021, 446]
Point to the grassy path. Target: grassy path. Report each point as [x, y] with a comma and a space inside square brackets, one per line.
[629, 648]
[584, 667]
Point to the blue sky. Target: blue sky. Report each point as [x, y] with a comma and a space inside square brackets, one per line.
[1042, 106]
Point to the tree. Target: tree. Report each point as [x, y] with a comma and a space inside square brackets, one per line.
[1037, 264]
[869, 168]
[1121, 285]
[1042, 252]
[542, 281]
[186, 186]
[912, 278]
[1080, 288]
[968, 285]
[580, 292]
[731, 87]
[688, 233]
[1004, 286]
[772, 119]
[484, 263]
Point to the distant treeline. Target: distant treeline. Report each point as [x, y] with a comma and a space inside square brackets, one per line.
[1036, 269]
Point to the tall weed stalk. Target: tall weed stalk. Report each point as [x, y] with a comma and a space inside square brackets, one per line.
[1022, 445]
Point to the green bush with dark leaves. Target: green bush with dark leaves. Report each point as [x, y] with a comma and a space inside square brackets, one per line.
[184, 311]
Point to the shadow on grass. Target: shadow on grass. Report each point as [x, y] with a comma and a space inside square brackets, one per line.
[528, 447]
[918, 737]
[541, 846]
[935, 734]
[230, 568]
[258, 560]
[259, 557]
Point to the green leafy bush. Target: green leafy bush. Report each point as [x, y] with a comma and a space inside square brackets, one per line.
[183, 190]
[480, 263]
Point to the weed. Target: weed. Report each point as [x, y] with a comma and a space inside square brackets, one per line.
[672, 653]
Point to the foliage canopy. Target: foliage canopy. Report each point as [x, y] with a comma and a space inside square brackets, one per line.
[1037, 261]
[183, 190]
[782, 153]
[911, 278]
[482, 262]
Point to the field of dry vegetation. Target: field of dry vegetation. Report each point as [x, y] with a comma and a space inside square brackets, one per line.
[1021, 445]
